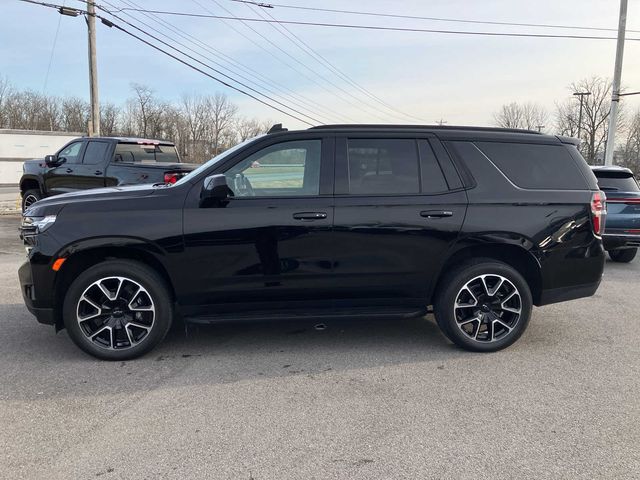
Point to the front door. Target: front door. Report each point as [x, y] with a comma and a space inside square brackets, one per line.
[396, 216]
[61, 179]
[269, 246]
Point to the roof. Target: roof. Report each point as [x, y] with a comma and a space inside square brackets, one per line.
[465, 128]
[137, 140]
[611, 169]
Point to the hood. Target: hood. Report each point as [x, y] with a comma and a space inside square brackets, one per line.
[52, 205]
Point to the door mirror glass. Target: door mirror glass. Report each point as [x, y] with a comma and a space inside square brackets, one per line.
[215, 191]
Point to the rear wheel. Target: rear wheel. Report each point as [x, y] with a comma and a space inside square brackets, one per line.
[29, 197]
[483, 306]
[624, 255]
[117, 310]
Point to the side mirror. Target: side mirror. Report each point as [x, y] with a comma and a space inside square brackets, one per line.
[53, 161]
[215, 192]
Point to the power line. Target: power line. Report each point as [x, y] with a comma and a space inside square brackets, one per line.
[258, 78]
[383, 28]
[436, 19]
[357, 105]
[109, 23]
[305, 47]
[268, 51]
[183, 35]
[210, 67]
[53, 49]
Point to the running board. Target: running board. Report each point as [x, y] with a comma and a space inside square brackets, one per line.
[288, 315]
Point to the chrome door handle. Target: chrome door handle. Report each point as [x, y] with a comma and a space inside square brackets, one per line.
[436, 213]
[97, 172]
[309, 215]
[69, 170]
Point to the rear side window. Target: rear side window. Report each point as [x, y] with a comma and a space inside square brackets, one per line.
[535, 166]
[616, 182]
[383, 166]
[95, 152]
[145, 153]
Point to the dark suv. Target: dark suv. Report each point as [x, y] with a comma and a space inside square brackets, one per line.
[357, 221]
[622, 234]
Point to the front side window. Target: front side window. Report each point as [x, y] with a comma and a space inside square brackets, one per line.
[383, 166]
[71, 153]
[284, 169]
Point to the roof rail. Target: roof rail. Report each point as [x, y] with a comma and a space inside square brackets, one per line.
[429, 127]
[277, 128]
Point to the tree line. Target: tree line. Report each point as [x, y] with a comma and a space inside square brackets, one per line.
[201, 125]
[591, 127]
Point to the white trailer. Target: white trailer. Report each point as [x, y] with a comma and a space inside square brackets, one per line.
[16, 146]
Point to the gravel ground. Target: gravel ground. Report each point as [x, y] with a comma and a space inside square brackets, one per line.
[359, 400]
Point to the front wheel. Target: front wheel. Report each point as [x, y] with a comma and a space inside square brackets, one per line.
[624, 255]
[29, 197]
[117, 310]
[483, 306]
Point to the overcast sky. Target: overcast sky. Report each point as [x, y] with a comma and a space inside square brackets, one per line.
[460, 78]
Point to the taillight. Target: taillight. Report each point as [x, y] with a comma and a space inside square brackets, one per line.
[171, 177]
[598, 211]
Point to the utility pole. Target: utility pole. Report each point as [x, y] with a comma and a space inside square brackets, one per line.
[94, 122]
[615, 93]
[441, 122]
[540, 127]
[581, 95]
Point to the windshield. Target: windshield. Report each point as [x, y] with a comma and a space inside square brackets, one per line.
[207, 165]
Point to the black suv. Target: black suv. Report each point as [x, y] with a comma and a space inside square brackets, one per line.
[341, 220]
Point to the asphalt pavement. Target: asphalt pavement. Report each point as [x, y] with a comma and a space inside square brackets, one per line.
[358, 400]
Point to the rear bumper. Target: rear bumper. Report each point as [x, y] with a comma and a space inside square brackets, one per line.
[613, 241]
[563, 294]
[43, 315]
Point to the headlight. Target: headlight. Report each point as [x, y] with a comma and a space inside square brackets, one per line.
[35, 225]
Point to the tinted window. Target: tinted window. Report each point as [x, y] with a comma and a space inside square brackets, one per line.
[382, 166]
[145, 153]
[616, 182]
[71, 153]
[95, 152]
[283, 169]
[432, 177]
[535, 166]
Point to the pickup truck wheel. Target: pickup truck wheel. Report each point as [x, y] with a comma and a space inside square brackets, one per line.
[483, 306]
[117, 310]
[30, 197]
[624, 255]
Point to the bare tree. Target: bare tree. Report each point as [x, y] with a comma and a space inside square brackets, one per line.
[144, 109]
[222, 113]
[595, 117]
[5, 91]
[109, 114]
[250, 127]
[529, 116]
[75, 114]
[629, 154]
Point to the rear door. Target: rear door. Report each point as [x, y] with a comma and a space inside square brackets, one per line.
[398, 209]
[90, 173]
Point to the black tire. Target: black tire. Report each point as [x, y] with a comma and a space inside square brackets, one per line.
[624, 255]
[29, 197]
[154, 292]
[469, 274]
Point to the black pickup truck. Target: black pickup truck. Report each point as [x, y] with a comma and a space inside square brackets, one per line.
[97, 162]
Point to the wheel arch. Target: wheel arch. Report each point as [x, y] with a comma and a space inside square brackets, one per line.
[517, 257]
[29, 182]
[79, 261]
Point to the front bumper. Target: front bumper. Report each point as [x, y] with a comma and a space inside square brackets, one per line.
[27, 287]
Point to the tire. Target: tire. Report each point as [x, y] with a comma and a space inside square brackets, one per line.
[128, 323]
[499, 292]
[29, 197]
[624, 255]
